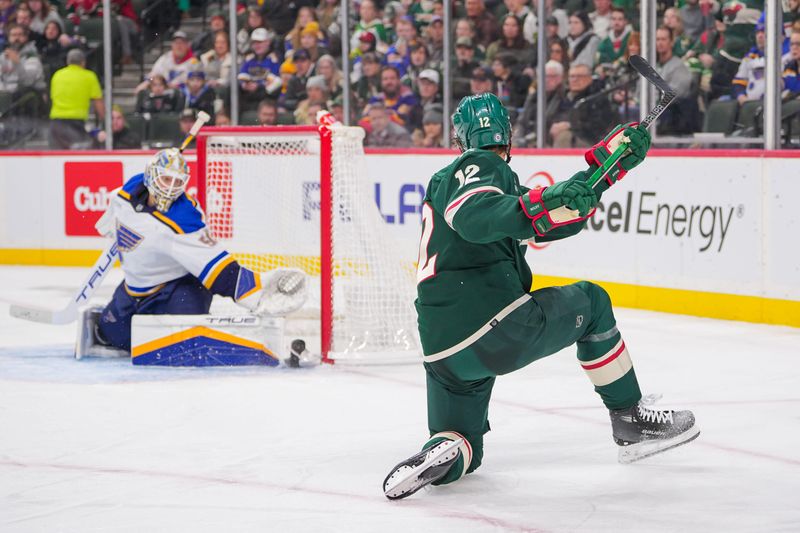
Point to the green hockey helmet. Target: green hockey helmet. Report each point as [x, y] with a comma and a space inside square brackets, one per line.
[480, 121]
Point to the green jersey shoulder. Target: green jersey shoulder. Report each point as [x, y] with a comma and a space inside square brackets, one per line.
[475, 171]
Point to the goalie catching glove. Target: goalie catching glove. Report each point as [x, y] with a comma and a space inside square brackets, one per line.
[638, 141]
[282, 291]
[564, 203]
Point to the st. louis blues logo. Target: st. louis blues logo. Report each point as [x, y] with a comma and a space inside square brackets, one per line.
[127, 239]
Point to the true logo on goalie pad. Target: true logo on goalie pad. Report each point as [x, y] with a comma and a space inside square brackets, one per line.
[243, 320]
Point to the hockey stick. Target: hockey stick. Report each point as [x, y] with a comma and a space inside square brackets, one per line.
[69, 313]
[202, 118]
[641, 66]
[98, 271]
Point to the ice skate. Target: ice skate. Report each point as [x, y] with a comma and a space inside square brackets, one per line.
[422, 469]
[90, 342]
[642, 430]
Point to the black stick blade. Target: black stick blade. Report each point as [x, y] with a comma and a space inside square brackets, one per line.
[640, 65]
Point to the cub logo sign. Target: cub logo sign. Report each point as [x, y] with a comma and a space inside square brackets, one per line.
[87, 193]
[538, 179]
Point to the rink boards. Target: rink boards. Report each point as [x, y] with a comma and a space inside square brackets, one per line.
[697, 232]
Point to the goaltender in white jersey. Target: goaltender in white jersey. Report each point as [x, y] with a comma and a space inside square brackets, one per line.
[172, 263]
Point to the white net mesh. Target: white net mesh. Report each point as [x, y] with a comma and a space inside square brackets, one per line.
[263, 202]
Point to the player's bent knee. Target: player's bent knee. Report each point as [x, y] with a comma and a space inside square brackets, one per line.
[597, 295]
[465, 461]
[594, 291]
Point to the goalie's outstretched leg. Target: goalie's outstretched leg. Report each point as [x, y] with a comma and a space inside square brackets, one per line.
[183, 296]
[442, 454]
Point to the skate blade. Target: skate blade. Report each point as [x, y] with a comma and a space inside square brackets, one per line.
[420, 470]
[636, 452]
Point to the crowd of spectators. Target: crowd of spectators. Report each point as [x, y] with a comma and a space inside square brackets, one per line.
[290, 63]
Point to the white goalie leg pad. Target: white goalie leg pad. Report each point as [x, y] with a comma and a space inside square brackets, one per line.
[464, 447]
[86, 343]
[207, 340]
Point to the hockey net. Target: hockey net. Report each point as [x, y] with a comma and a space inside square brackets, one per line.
[299, 197]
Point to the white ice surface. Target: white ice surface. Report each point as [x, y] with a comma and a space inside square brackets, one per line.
[98, 445]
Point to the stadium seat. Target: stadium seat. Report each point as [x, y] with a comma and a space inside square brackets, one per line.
[720, 116]
[5, 101]
[137, 123]
[69, 27]
[92, 30]
[790, 111]
[163, 129]
[139, 5]
[286, 119]
[249, 118]
[750, 117]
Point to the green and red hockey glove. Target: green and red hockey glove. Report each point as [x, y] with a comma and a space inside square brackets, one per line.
[638, 140]
[566, 202]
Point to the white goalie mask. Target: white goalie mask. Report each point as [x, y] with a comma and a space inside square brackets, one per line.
[165, 177]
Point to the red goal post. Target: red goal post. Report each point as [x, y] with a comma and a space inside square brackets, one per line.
[299, 196]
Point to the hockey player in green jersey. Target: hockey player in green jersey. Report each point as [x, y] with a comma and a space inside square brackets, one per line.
[477, 317]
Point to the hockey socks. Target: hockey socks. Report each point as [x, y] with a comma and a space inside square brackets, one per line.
[605, 359]
[444, 458]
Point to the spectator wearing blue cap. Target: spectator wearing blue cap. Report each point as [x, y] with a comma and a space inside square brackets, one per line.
[750, 82]
[198, 95]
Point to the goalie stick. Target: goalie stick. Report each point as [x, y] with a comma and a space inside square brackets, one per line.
[69, 313]
[98, 271]
[640, 65]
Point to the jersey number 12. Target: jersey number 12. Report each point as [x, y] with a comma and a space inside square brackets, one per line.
[467, 176]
